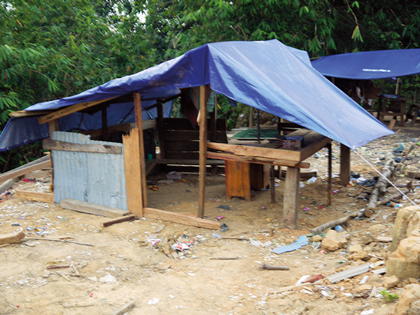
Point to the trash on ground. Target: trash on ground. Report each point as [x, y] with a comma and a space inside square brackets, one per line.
[302, 241]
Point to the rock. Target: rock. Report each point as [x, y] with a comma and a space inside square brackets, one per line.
[401, 225]
[367, 238]
[364, 287]
[333, 241]
[359, 256]
[408, 303]
[390, 282]
[376, 229]
[355, 248]
[317, 238]
[405, 261]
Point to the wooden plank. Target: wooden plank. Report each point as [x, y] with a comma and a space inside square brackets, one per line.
[70, 110]
[24, 113]
[317, 144]
[11, 238]
[53, 126]
[161, 131]
[256, 151]
[34, 195]
[91, 208]
[39, 164]
[188, 162]
[329, 174]
[142, 160]
[132, 173]
[125, 218]
[254, 159]
[344, 165]
[50, 144]
[291, 198]
[181, 218]
[238, 181]
[202, 123]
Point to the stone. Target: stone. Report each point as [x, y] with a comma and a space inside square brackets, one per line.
[364, 287]
[333, 241]
[405, 261]
[359, 256]
[401, 225]
[367, 239]
[390, 282]
[317, 238]
[408, 303]
[355, 248]
[376, 229]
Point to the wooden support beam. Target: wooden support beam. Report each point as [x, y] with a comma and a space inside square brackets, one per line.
[181, 218]
[344, 165]
[132, 173]
[104, 123]
[291, 198]
[53, 126]
[125, 218]
[11, 238]
[91, 208]
[70, 110]
[34, 195]
[161, 131]
[202, 123]
[255, 159]
[39, 164]
[329, 146]
[24, 113]
[49, 144]
[139, 123]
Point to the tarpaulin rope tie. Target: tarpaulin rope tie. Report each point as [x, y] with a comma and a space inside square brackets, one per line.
[383, 176]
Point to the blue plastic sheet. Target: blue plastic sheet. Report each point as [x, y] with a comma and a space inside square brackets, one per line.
[301, 241]
[267, 75]
[370, 65]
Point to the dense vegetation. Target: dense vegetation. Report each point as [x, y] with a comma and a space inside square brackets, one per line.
[54, 48]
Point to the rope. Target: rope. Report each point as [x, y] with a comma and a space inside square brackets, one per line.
[383, 176]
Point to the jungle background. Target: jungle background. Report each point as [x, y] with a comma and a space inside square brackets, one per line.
[50, 49]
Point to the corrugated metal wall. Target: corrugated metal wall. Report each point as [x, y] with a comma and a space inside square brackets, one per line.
[92, 177]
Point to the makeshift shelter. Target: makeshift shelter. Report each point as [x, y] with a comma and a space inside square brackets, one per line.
[268, 75]
[373, 65]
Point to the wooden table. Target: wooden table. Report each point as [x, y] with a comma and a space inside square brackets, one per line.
[396, 107]
[292, 159]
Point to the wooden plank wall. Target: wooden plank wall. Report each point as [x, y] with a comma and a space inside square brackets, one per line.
[182, 139]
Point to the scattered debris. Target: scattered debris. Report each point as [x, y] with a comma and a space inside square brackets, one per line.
[302, 241]
[119, 220]
[349, 273]
[271, 267]
[125, 308]
[327, 225]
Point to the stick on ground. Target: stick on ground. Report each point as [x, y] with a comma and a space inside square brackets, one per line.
[327, 225]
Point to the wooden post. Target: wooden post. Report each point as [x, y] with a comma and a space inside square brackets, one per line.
[213, 137]
[272, 185]
[344, 165]
[161, 131]
[53, 126]
[202, 123]
[329, 173]
[133, 179]
[139, 124]
[291, 198]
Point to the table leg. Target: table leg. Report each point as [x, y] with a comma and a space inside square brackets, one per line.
[344, 165]
[291, 198]
[272, 184]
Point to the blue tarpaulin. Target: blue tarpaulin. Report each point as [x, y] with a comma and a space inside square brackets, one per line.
[267, 75]
[370, 65]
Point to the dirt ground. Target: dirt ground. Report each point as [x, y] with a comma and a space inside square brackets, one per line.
[133, 261]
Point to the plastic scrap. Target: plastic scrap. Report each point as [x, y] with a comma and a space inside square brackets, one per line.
[312, 180]
[368, 312]
[153, 301]
[220, 217]
[226, 207]
[301, 241]
[339, 228]
[223, 227]
[107, 279]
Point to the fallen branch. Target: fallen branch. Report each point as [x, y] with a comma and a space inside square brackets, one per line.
[224, 258]
[57, 267]
[380, 187]
[119, 220]
[271, 267]
[327, 225]
[400, 165]
[55, 240]
[392, 197]
[124, 309]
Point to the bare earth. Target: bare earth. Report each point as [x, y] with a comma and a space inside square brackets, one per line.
[163, 281]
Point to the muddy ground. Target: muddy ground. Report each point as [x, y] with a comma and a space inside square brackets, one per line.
[133, 261]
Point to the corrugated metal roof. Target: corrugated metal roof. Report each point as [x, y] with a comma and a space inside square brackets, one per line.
[92, 177]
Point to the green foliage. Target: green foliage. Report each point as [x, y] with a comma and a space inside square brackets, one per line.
[389, 297]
